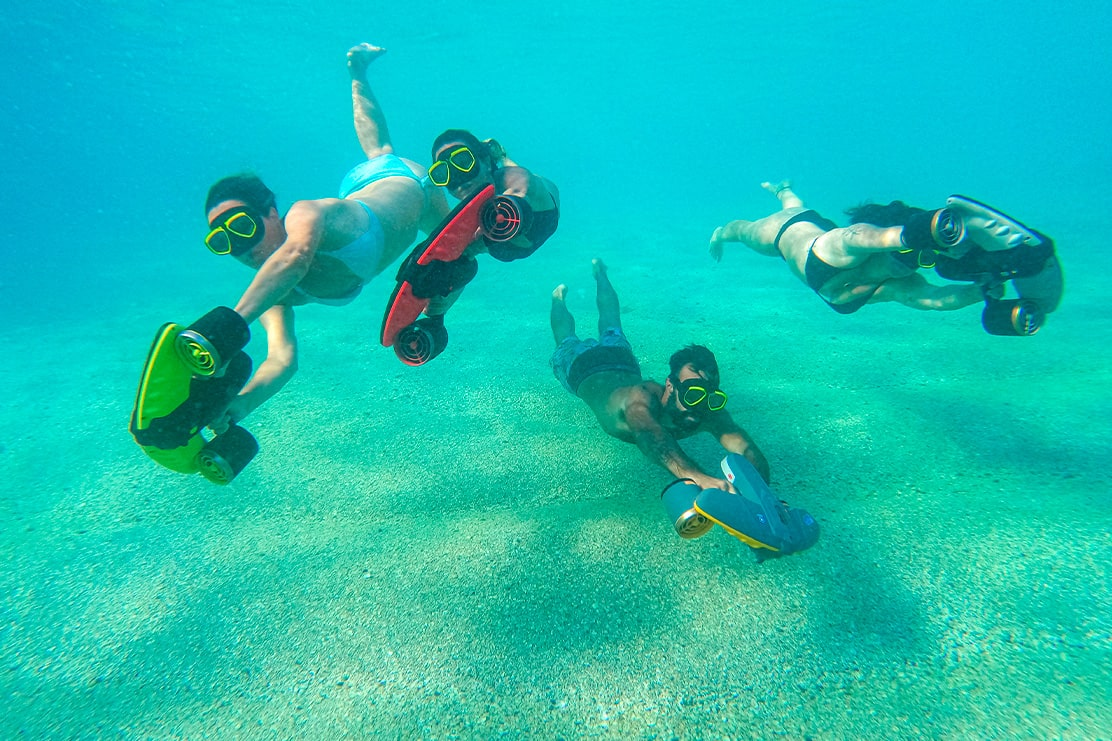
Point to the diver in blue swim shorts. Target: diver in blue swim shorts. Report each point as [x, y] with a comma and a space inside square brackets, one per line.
[605, 374]
[324, 250]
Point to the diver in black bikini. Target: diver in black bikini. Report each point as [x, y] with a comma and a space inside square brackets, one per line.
[463, 165]
[849, 267]
[877, 258]
[997, 251]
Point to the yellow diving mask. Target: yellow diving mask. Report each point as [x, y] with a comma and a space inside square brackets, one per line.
[696, 391]
[234, 231]
[456, 166]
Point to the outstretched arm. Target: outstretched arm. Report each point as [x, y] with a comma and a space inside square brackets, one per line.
[285, 268]
[736, 440]
[661, 447]
[370, 122]
[272, 374]
[917, 292]
[518, 181]
[858, 239]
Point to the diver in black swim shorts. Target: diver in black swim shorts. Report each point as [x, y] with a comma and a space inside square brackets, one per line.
[605, 374]
[856, 265]
[463, 165]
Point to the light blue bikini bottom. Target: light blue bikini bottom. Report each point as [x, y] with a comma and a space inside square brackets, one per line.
[381, 167]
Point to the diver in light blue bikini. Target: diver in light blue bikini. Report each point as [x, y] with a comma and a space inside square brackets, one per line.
[323, 250]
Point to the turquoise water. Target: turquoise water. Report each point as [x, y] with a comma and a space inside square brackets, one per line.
[457, 550]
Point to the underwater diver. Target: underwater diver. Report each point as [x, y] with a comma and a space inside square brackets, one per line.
[605, 374]
[849, 267]
[524, 213]
[322, 251]
[877, 258]
[997, 250]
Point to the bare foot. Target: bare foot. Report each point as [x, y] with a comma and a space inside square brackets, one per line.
[717, 244]
[598, 268]
[783, 191]
[560, 292]
[360, 57]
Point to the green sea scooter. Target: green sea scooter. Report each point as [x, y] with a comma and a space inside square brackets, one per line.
[190, 376]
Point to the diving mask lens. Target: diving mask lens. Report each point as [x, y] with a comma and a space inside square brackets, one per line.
[241, 225]
[218, 241]
[693, 396]
[440, 173]
[463, 159]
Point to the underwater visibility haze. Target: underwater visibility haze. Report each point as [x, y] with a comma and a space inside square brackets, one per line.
[457, 550]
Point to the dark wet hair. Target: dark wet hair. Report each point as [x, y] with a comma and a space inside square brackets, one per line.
[247, 188]
[896, 213]
[481, 149]
[700, 358]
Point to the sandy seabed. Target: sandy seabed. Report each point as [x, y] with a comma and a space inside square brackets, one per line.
[457, 551]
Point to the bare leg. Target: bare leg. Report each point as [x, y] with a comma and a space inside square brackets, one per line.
[370, 122]
[756, 235]
[857, 239]
[609, 312]
[563, 323]
[760, 234]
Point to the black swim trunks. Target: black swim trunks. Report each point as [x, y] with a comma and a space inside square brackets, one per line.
[575, 360]
[816, 271]
[810, 217]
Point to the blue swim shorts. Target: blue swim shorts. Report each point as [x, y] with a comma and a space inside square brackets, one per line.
[575, 360]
